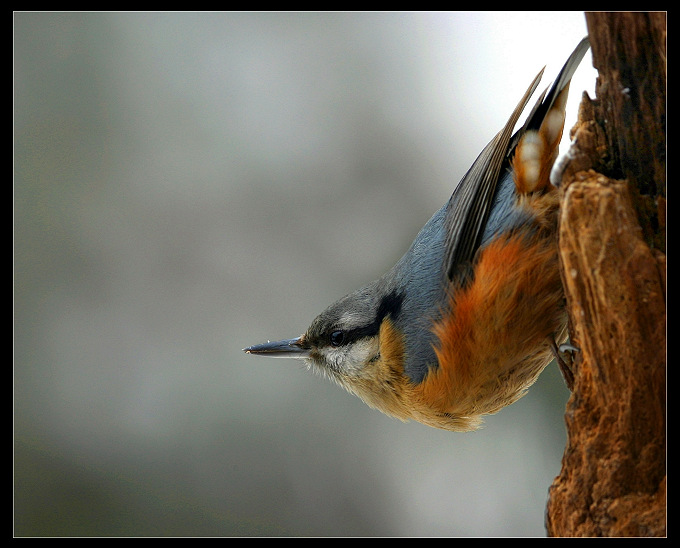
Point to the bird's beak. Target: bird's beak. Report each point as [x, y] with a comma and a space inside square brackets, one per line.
[289, 348]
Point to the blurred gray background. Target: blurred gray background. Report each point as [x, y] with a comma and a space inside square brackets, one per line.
[187, 184]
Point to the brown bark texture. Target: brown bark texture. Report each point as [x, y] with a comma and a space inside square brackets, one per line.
[612, 252]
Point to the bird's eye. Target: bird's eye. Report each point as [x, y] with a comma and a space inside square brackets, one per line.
[337, 338]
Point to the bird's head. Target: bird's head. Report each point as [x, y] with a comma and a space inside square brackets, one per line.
[345, 339]
[359, 343]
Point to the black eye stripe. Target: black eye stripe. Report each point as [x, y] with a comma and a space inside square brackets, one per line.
[390, 305]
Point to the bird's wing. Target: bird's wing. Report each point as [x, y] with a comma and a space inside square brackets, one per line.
[468, 209]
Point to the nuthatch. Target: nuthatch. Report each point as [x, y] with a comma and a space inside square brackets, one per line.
[473, 312]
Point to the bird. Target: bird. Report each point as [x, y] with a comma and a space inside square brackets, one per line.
[463, 324]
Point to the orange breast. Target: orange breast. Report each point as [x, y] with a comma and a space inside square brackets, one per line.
[494, 341]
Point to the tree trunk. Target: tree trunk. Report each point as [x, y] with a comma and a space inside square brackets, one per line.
[612, 250]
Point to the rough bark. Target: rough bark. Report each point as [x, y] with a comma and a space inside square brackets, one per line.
[612, 249]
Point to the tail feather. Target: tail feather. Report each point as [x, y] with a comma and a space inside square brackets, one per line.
[538, 140]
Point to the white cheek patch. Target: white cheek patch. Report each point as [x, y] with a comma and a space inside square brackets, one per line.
[351, 359]
[333, 357]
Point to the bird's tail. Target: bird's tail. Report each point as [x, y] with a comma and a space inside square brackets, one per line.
[538, 140]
